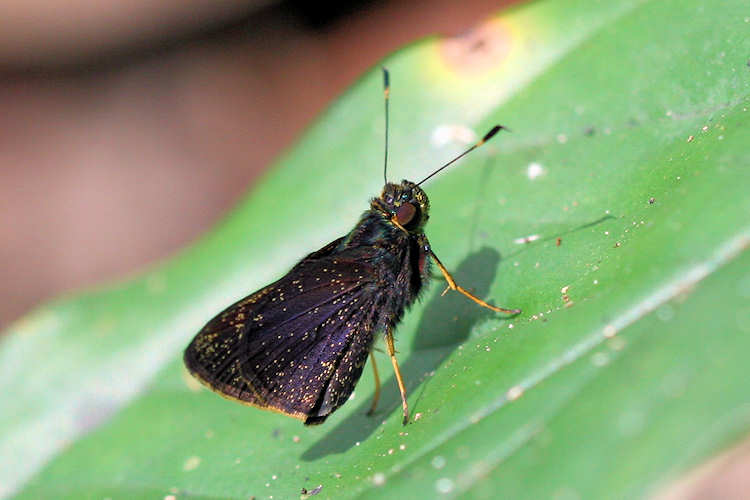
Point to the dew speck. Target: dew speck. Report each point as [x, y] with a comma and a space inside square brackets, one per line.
[438, 461]
[565, 296]
[378, 479]
[514, 393]
[562, 138]
[526, 239]
[191, 463]
[610, 331]
[534, 170]
[444, 485]
[446, 134]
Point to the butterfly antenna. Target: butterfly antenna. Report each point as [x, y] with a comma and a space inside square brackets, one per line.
[386, 95]
[484, 139]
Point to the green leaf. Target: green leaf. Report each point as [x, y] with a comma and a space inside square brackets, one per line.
[627, 366]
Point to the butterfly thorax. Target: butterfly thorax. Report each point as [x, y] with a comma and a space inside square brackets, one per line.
[390, 238]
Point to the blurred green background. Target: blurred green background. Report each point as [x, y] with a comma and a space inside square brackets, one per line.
[615, 215]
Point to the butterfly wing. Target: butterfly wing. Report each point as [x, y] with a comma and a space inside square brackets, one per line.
[297, 346]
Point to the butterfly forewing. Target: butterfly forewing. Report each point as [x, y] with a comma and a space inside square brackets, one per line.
[297, 346]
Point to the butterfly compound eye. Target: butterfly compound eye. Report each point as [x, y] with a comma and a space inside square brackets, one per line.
[405, 213]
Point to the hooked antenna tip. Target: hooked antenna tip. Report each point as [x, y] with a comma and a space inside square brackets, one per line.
[492, 132]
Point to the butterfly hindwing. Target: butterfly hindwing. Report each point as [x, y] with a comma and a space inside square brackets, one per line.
[296, 346]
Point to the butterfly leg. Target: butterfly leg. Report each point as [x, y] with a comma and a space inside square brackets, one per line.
[452, 285]
[399, 379]
[376, 396]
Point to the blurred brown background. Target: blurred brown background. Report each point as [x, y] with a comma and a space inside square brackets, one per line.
[129, 128]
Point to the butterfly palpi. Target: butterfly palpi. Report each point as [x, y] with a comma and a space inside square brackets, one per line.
[298, 346]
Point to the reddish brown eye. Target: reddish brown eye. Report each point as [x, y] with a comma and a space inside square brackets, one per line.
[405, 213]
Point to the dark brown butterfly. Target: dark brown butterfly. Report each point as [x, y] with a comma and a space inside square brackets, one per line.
[298, 346]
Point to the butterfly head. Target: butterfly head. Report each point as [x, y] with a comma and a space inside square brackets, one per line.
[405, 205]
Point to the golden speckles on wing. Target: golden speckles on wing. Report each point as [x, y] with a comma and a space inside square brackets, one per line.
[296, 346]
